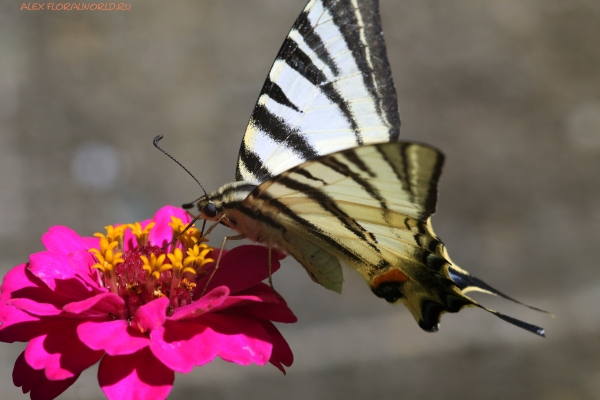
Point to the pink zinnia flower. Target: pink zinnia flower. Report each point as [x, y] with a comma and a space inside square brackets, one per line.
[143, 311]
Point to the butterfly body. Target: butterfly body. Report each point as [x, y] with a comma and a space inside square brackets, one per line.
[321, 175]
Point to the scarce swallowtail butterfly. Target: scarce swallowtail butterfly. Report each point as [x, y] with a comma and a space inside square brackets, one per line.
[321, 174]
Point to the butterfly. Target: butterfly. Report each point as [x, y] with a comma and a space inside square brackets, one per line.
[321, 175]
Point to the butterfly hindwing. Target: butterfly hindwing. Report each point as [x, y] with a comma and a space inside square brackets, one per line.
[359, 202]
[370, 207]
[330, 88]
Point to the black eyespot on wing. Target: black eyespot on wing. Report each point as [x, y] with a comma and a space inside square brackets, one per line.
[210, 210]
[390, 291]
[431, 311]
[430, 316]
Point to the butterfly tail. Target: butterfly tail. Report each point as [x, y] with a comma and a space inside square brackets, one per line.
[467, 283]
[517, 322]
[454, 301]
[429, 295]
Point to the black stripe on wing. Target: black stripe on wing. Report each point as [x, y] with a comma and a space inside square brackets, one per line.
[406, 175]
[275, 93]
[314, 41]
[308, 175]
[252, 163]
[328, 204]
[372, 62]
[277, 129]
[406, 182]
[345, 170]
[257, 215]
[432, 190]
[401, 173]
[300, 62]
[305, 224]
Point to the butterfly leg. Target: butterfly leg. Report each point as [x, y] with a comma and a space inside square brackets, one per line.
[212, 226]
[270, 272]
[225, 239]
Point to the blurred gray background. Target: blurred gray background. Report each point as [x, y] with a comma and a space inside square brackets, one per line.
[508, 89]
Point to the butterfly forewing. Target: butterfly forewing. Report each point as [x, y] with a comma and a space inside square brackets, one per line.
[330, 88]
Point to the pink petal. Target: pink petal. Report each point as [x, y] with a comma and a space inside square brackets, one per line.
[129, 239]
[19, 282]
[62, 240]
[259, 293]
[81, 263]
[35, 308]
[38, 358]
[136, 376]
[55, 271]
[49, 266]
[17, 325]
[164, 214]
[35, 381]
[272, 312]
[236, 301]
[100, 305]
[162, 233]
[242, 267]
[17, 278]
[182, 345]
[114, 337]
[60, 352]
[91, 242]
[282, 354]
[211, 300]
[269, 307]
[151, 315]
[240, 340]
[264, 291]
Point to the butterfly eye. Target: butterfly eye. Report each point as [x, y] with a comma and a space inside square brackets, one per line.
[210, 210]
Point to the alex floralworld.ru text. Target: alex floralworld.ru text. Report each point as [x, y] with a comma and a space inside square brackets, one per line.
[76, 6]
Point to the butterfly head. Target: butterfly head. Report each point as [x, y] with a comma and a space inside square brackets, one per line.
[208, 209]
[223, 201]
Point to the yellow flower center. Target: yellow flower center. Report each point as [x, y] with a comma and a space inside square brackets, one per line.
[146, 271]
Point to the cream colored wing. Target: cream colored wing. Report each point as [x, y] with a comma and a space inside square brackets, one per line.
[370, 208]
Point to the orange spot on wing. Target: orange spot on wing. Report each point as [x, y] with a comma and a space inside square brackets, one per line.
[393, 275]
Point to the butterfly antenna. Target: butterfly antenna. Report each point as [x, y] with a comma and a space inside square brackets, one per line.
[187, 206]
[155, 141]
